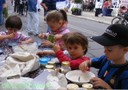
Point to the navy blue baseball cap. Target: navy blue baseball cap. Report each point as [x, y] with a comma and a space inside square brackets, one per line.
[115, 34]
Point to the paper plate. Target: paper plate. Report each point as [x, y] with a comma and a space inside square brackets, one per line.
[79, 77]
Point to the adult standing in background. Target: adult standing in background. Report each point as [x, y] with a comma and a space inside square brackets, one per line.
[16, 5]
[106, 5]
[33, 19]
[2, 2]
[98, 7]
[48, 5]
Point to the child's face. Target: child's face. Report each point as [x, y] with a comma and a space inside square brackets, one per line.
[12, 30]
[55, 25]
[75, 50]
[115, 53]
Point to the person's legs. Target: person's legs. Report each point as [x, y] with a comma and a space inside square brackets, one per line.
[45, 12]
[22, 7]
[96, 12]
[1, 18]
[29, 25]
[104, 11]
[36, 22]
[15, 8]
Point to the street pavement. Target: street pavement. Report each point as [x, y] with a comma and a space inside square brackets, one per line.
[91, 16]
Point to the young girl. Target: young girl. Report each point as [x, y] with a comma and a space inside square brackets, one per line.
[113, 66]
[57, 21]
[76, 45]
[13, 24]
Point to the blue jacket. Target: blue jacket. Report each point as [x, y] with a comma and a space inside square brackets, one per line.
[107, 70]
[32, 5]
[1, 4]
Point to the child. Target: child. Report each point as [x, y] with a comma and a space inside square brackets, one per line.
[76, 45]
[57, 21]
[13, 24]
[113, 73]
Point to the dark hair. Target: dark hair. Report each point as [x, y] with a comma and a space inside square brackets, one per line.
[76, 38]
[56, 15]
[13, 22]
[64, 14]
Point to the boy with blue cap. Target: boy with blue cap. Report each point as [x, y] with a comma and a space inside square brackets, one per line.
[113, 66]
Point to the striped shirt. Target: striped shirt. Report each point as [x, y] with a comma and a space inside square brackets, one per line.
[19, 37]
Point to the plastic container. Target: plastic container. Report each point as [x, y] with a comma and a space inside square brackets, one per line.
[49, 67]
[44, 61]
[72, 86]
[51, 63]
[87, 86]
[51, 38]
[65, 67]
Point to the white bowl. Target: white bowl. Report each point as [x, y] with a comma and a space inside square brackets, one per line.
[79, 77]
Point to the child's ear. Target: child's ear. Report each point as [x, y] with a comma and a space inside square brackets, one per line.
[61, 22]
[126, 49]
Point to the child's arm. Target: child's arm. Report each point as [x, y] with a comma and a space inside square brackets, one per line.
[23, 39]
[9, 36]
[42, 35]
[85, 65]
[97, 82]
[58, 36]
[62, 57]
[43, 53]
[30, 40]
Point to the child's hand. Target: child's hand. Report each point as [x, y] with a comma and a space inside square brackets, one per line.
[40, 54]
[57, 36]
[97, 82]
[47, 43]
[84, 66]
[12, 35]
[56, 48]
[42, 35]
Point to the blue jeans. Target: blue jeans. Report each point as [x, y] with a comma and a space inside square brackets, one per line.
[33, 21]
[1, 18]
[104, 11]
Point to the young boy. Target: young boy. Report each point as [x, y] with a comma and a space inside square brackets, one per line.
[113, 66]
[76, 45]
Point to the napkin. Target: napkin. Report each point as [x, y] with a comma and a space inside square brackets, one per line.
[55, 80]
[17, 64]
[31, 48]
[22, 56]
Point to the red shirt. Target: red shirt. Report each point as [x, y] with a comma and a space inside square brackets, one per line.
[106, 4]
[74, 63]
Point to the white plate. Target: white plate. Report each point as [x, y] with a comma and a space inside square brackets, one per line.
[79, 77]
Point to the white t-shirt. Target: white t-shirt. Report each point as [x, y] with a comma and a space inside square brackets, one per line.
[62, 4]
[98, 5]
